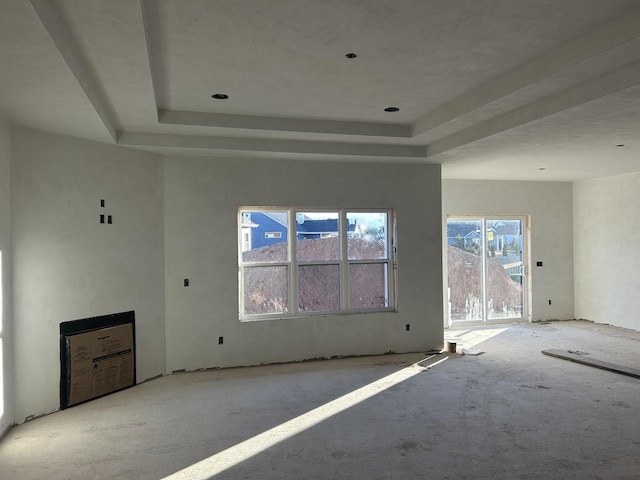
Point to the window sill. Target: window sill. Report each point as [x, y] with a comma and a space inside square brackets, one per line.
[324, 315]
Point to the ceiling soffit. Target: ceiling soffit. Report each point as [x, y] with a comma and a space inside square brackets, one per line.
[434, 132]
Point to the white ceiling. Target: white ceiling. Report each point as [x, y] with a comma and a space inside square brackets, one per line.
[491, 89]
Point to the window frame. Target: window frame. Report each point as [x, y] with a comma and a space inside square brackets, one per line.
[292, 264]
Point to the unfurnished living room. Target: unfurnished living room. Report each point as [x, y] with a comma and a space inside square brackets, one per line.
[336, 239]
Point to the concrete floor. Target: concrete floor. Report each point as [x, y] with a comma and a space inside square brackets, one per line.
[510, 413]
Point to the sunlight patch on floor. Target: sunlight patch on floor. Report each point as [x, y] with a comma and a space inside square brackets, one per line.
[221, 461]
[471, 338]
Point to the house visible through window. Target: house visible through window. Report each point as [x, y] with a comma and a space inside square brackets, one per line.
[303, 262]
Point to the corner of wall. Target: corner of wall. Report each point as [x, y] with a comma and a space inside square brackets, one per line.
[67, 265]
[605, 242]
[7, 400]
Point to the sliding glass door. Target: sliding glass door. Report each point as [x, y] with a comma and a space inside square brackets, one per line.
[486, 269]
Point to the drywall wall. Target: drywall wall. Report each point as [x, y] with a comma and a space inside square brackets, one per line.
[550, 206]
[6, 351]
[68, 266]
[202, 196]
[606, 246]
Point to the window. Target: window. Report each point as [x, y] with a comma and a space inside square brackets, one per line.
[486, 258]
[305, 262]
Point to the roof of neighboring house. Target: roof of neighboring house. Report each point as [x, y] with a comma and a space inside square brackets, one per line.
[310, 225]
[280, 217]
[471, 229]
[461, 228]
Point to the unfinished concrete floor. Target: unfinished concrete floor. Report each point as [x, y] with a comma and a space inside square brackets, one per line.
[511, 413]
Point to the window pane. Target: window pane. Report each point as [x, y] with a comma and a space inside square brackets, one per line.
[367, 235]
[264, 236]
[368, 285]
[318, 288]
[504, 269]
[265, 290]
[317, 236]
[464, 257]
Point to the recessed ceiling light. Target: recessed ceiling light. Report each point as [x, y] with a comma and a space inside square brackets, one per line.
[391, 109]
[620, 145]
[351, 55]
[220, 96]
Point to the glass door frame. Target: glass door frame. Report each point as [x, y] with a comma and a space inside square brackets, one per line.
[526, 292]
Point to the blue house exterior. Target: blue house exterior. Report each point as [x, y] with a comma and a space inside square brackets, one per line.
[311, 228]
[463, 234]
[261, 229]
[507, 233]
[267, 228]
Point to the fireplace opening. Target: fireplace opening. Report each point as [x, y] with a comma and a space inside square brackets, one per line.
[97, 357]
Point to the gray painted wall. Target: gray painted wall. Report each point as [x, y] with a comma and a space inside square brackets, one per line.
[550, 207]
[175, 218]
[202, 196]
[6, 351]
[607, 242]
[67, 266]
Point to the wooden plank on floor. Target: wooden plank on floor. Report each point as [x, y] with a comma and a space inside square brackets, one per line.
[511, 265]
[593, 362]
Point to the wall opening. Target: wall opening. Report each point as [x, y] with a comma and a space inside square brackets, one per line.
[97, 357]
